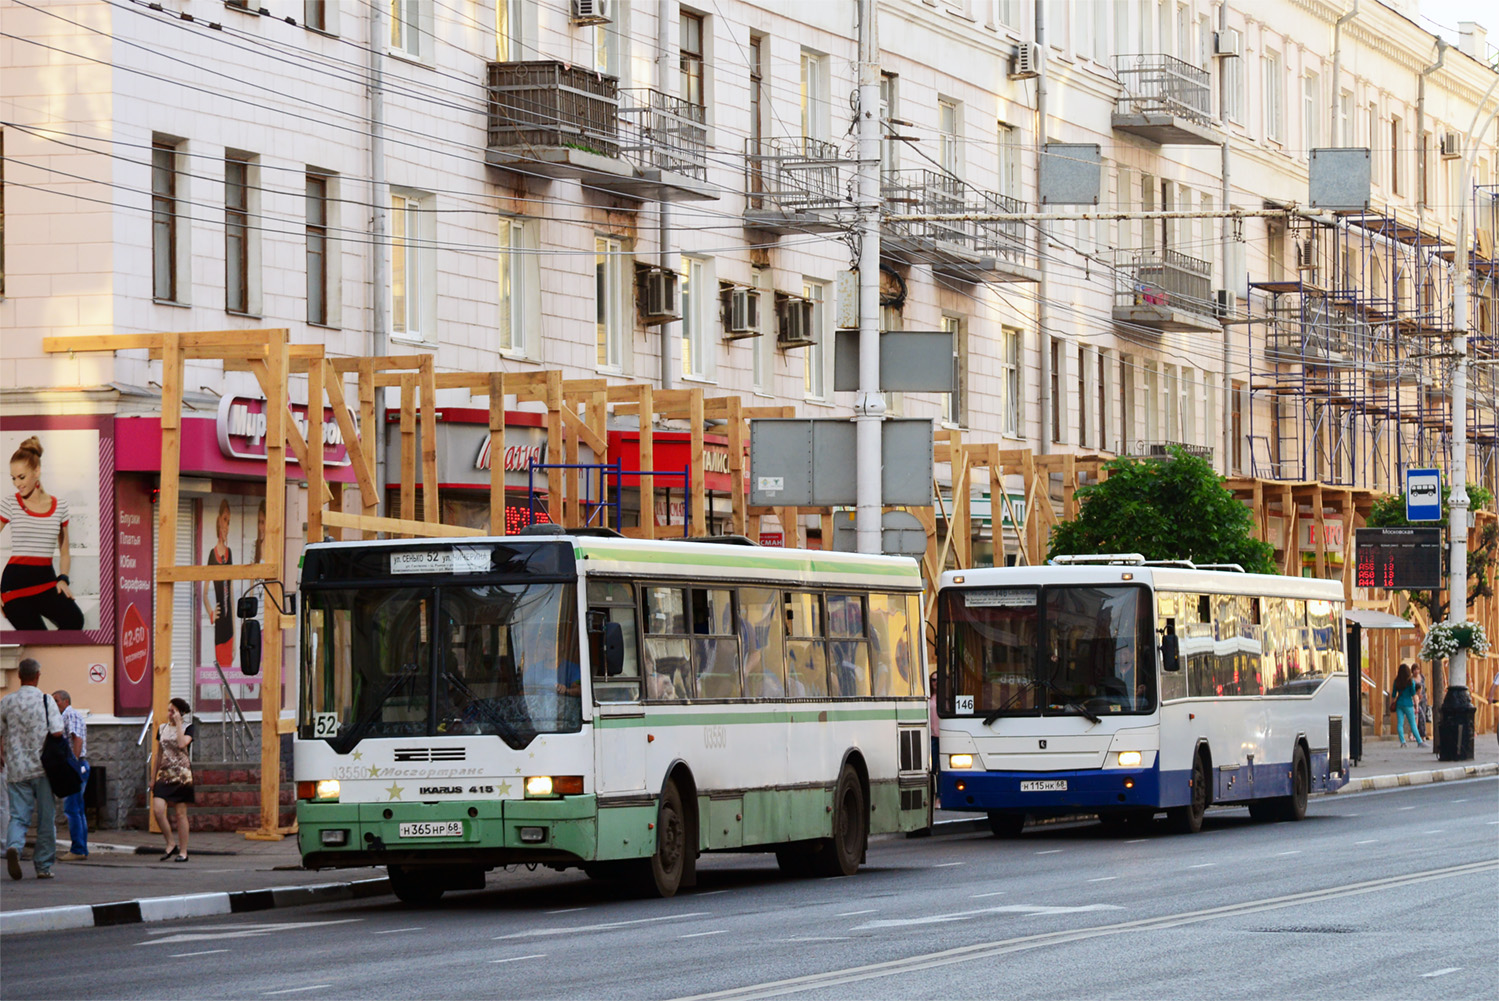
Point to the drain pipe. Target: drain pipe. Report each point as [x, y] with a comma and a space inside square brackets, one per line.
[1043, 340]
[379, 205]
[1423, 181]
[1335, 100]
[671, 332]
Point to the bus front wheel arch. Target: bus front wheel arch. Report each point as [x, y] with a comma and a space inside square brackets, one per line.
[841, 854]
[1188, 819]
[661, 875]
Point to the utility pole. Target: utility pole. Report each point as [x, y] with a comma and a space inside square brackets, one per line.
[869, 407]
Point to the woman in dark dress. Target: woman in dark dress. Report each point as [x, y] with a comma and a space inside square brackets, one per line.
[173, 782]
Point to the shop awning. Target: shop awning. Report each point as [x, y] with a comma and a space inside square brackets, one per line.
[1370, 619]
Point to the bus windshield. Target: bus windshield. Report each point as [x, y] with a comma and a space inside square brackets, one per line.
[497, 659]
[1057, 650]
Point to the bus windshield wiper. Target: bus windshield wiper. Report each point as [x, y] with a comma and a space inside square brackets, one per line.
[1069, 703]
[996, 714]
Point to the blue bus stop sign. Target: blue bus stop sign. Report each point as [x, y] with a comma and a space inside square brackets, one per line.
[1423, 495]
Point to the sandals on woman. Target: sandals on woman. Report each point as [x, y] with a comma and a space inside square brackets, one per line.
[180, 858]
[169, 853]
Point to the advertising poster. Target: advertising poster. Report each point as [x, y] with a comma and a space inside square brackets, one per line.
[64, 467]
[231, 530]
[134, 597]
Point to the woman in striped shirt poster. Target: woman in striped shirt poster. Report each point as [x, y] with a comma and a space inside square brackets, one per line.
[30, 590]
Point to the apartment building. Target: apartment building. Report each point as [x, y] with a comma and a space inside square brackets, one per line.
[662, 192]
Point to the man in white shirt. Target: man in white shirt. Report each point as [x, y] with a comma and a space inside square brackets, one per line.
[75, 728]
[26, 718]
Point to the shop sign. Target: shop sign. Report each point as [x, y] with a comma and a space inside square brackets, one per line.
[1330, 532]
[772, 539]
[463, 454]
[134, 595]
[242, 422]
[672, 452]
[518, 458]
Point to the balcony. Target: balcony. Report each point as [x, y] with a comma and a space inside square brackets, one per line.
[1164, 290]
[552, 120]
[797, 185]
[966, 249]
[1166, 101]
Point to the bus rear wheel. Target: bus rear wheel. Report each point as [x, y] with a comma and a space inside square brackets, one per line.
[411, 886]
[661, 874]
[842, 854]
[1188, 819]
[1006, 825]
[1293, 807]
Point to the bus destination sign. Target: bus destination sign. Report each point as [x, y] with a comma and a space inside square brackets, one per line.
[1409, 558]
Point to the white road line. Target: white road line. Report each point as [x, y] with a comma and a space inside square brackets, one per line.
[397, 931]
[1404, 808]
[1463, 800]
[946, 865]
[1279, 854]
[705, 934]
[1202, 865]
[517, 959]
[297, 990]
[995, 893]
[568, 910]
[1102, 879]
[710, 893]
[1021, 909]
[1371, 841]
[1439, 830]
[819, 938]
[849, 914]
[205, 952]
[1442, 972]
[1051, 851]
[606, 926]
[1137, 841]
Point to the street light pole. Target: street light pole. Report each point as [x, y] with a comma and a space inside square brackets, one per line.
[869, 408]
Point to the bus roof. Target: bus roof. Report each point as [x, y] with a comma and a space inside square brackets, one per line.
[1158, 577]
[653, 557]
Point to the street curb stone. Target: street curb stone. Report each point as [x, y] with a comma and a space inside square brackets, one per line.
[1420, 778]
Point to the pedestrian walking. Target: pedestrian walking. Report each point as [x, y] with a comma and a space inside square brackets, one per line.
[26, 718]
[173, 783]
[1423, 701]
[1404, 696]
[75, 729]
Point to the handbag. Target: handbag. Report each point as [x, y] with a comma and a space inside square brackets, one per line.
[59, 762]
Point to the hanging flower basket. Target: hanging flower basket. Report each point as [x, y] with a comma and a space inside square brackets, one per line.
[1444, 639]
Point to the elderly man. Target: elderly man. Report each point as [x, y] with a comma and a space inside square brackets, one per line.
[75, 728]
[26, 718]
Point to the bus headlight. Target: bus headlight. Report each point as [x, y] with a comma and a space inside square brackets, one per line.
[1129, 759]
[960, 761]
[325, 790]
[543, 786]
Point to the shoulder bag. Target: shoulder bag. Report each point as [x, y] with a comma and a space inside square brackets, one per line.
[58, 761]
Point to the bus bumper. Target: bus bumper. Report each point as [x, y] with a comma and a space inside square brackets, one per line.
[1087, 791]
[481, 832]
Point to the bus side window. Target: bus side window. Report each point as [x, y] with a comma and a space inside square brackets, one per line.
[623, 686]
[667, 649]
[762, 641]
[715, 645]
[806, 665]
[848, 649]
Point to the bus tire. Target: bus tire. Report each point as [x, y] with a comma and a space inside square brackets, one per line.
[662, 872]
[1006, 825]
[844, 851]
[1188, 819]
[411, 887]
[1293, 807]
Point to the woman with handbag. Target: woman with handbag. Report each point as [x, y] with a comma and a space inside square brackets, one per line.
[1404, 697]
[173, 782]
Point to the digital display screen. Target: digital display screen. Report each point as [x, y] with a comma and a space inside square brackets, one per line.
[1407, 558]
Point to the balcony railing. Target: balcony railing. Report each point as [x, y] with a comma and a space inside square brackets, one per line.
[1164, 84]
[795, 174]
[1166, 279]
[661, 132]
[544, 104]
[931, 192]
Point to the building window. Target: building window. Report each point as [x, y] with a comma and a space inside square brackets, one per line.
[1172, 430]
[1397, 179]
[949, 138]
[1126, 401]
[690, 59]
[237, 235]
[1274, 96]
[956, 410]
[1152, 402]
[611, 292]
[699, 311]
[1231, 87]
[520, 287]
[814, 377]
[413, 273]
[411, 28]
[1311, 111]
[816, 112]
[1009, 160]
[509, 31]
[1103, 398]
[1083, 415]
[318, 259]
[889, 111]
[1011, 343]
[1058, 398]
[1236, 426]
[164, 214]
[319, 15]
[1189, 394]
[608, 44]
[762, 347]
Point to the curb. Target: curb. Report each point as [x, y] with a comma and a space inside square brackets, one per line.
[192, 905]
[1398, 780]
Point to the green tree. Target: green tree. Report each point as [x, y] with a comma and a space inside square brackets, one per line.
[1164, 510]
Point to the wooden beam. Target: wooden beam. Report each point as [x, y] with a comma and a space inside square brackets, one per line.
[496, 392]
[586, 435]
[370, 421]
[645, 398]
[737, 498]
[430, 485]
[318, 494]
[363, 469]
[698, 490]
[408, 446]
[295, 439]
[235, 571]
[166, 531]
[399, 526]
[553, 399]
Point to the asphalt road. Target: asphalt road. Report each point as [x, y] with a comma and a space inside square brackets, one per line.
[1392, 894]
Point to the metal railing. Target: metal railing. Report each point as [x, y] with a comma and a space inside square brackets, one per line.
[1164, 278]
[546, 104]
[662, 132]
[1162, 83]
[797, 173]
[932, 192]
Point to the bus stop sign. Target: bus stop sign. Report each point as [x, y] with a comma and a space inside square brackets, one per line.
[1423, 495]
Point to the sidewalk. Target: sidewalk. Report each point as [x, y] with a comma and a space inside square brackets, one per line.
[123, 882]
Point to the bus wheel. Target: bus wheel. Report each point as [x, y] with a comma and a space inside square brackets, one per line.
[1293, 807]
[663, 871]
[410, 887]
[1006, 825]
[1188, 819]
[842, 853]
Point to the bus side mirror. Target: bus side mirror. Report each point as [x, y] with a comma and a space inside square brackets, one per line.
[1170, 653]
[614, 649]
[249, 646]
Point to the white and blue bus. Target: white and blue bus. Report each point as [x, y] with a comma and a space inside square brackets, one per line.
[1114, 686]
[599, 702]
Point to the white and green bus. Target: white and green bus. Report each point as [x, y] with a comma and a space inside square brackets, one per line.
[613, 704]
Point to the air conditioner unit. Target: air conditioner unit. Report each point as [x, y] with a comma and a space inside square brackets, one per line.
[1452, 145]
[1225, 303]
[1026, 62]
[591, 12]
[1306, 255]
[795, 321]
[1228, 43]
[662, 295]
[742, 317]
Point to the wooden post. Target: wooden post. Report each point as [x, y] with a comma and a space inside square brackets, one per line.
[166, 533]
[408, 446]
[496, 453]
[369, 424]
[647, 452]
[697, 491]
[737, 499]
[431, 512]
[316, 484]
[555, 510]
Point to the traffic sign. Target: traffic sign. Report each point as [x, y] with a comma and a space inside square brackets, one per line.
[1423, 495]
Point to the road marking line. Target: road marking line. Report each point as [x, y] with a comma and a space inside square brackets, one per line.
[1022, 909]
[1463, 800]
[1202, 865]
[397, 931]
[1001, 947]
[1442, 972]
[817, 938]
[1051, 851]
[205, 952]
[1404, 808]
[1102, 879]
[705, 934]
[995, 893]
[606, 926]
[517, 959]
[1439, 830]
[1279, 854]
[849, 914]
[568, 910]
[296, 990]
[710, 893]
[1371, 841]
[945, 865]
[1137, 841]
